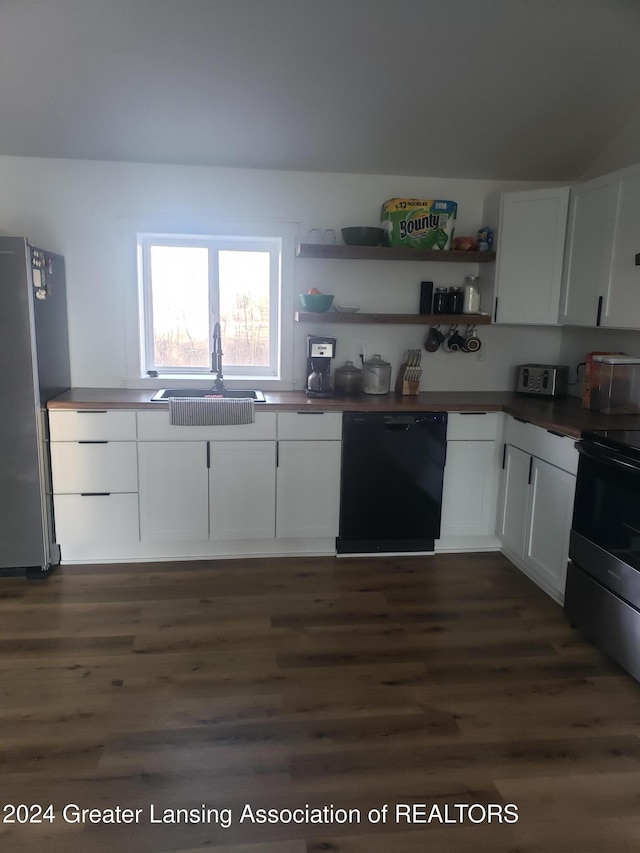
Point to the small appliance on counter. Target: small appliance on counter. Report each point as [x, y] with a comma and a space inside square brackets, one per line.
[542, 380]
[320, 353]
[615, 385]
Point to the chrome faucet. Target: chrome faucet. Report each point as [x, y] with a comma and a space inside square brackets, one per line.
[216, 358]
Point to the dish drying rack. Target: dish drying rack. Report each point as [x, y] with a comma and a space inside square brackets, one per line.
[409, 374]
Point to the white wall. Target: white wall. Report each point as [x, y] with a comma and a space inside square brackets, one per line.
[622, 151]
[89, 212]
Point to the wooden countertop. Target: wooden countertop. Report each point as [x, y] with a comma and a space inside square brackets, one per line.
[564, 415]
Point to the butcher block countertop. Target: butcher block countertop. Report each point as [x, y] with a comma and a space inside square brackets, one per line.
[564, 415]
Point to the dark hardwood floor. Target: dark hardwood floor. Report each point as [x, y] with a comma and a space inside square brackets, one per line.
[446, 681]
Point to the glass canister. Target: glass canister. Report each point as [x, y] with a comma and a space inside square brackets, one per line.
[376, 375]
[456, 300]
[348, 379]
[440, 301]
[471, 300]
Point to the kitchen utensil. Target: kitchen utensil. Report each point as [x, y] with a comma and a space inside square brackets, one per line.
[347, 309]
[408, 381]
[362, 235]
[316, 302]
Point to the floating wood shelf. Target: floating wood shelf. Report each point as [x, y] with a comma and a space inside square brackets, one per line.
[385, 253]
[399, 319]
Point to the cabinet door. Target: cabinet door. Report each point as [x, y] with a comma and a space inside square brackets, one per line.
[308, 489]
[242, 490]
[588, 253]
[469, 489]
[174, 494]
[550, 513]
[622, 303]
[512, 513]
[530, 255]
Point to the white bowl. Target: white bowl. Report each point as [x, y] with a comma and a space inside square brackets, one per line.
[347, 309]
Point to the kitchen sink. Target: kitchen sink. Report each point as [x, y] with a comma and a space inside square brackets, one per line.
[235, 393]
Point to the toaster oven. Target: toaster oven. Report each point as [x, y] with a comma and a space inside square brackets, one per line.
[542, 380]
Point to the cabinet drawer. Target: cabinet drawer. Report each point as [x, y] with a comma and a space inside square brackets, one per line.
[96, 519]
[156, 426]
[108, 467]
[473, 426]
[558, 450]
[520, 434]
[308, 426]
[92, 426]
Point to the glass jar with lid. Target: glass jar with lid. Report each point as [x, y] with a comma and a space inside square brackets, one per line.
[456, 299]
[471, 300]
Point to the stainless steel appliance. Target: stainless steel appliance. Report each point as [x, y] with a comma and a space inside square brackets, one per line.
[603, 580]
[392, 473]
[34, 354]
[320, 354]
[542, 380]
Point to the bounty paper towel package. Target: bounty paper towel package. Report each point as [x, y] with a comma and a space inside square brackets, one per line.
[418, 223]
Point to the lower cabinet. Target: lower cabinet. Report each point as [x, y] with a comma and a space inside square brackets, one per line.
[242, 489]
[199, 490]
[174, 491]
[536, 504]
[470, 486]
[308, 489]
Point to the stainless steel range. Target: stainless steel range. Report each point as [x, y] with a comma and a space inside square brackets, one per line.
[603, 580]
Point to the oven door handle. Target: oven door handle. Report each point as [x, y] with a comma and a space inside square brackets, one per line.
[608, 456]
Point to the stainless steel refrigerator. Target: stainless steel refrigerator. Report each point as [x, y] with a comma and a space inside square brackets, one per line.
[34, 367]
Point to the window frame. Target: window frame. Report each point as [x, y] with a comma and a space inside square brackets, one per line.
[276, 242]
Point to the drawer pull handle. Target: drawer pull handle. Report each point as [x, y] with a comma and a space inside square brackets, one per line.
[91, 412]
[95, 494]
[553, 432]
[520, 420]
[88, 441]
[310, 413]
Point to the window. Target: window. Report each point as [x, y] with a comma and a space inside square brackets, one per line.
[187, 284]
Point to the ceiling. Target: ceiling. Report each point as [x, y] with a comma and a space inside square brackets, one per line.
[498, 89]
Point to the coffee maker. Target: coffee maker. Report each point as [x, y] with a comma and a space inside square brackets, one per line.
[320, 353]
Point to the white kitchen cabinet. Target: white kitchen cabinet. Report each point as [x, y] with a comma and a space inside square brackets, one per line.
[588, 251]
[469, 491]
[94, 467]
[308, 489]
[95, 518]
[530, 256]
[308, 474]
[622, 304]
[94, 475]
[512, 516]
[242, 490]
[536, 505]
[174, 491]
[601, 284]
[549, 512]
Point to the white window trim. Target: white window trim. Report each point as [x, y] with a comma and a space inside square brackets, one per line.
[136, 377]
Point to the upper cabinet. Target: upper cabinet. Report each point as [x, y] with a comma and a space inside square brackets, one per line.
[530, 255]
[601, 284]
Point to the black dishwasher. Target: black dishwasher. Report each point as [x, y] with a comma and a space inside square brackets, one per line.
[392, 471]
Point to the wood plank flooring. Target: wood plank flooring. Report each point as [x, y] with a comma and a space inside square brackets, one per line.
[448, 684]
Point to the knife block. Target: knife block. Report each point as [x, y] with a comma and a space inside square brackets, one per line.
[404, 386]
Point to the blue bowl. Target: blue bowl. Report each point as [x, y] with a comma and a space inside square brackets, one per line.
[316, 302]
